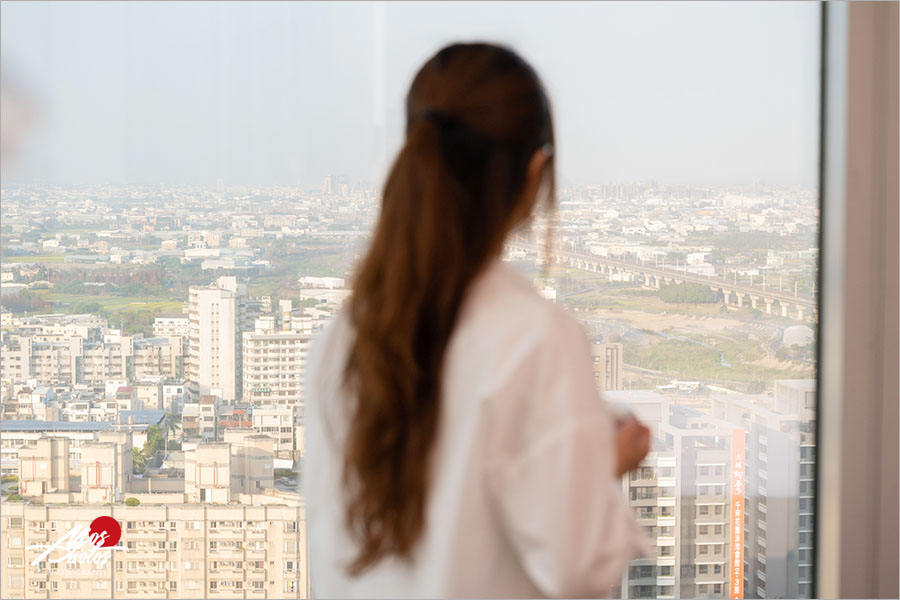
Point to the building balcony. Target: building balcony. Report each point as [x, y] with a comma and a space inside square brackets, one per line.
[665, 541]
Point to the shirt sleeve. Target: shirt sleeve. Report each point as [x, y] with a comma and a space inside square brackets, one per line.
[551, 471]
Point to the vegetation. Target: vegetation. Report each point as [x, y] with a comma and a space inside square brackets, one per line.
[7, 478]
[14, 498]
[279, 473]
[155, 442]
[24, 301]
[688, 359]
[36, 258]
[170, 427]
[139, 461]
[687, 293]
[132, 502]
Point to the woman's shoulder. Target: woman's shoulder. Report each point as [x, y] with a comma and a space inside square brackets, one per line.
[504, 303]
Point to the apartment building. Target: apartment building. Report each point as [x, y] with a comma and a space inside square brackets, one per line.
[150, 392]
[281, 423]
[18, 437]
[30, 403]
[75, 361]
[607, 362]
[780, 459]
[175, 393]
[159, 357]
[219, 472]
[252, 549]
[171, 324]
[89, 327]
[214, 340]
[681, 496]
[273, 364]
[199, 419]
[106, 468]
[44, 467]
[725, 496]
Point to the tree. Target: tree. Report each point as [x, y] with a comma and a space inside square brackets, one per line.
[687, 293]
[170, 425]
[24, 301]
[139, 461]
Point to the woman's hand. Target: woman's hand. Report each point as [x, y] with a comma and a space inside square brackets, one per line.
[632, 443]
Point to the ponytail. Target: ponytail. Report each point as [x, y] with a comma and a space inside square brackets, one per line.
[445, 211]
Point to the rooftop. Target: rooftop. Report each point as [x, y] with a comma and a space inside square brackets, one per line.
[143, 417]
[48, 426]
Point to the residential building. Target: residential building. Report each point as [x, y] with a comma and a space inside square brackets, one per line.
[252, 549]
[214, 340]
[273, 365]
[279, 422]
[607, 365]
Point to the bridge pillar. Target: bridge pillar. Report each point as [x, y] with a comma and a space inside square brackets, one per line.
[753, 300]
[740, 299]
[784, 309]
[768, 302]
[800, 311]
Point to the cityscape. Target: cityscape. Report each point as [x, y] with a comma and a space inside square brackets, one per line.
[152, 365]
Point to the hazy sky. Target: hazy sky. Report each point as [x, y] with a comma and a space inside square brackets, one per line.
[286, 93]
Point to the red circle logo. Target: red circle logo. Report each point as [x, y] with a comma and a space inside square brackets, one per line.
[105, 532]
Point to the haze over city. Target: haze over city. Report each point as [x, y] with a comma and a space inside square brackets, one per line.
[288, 93]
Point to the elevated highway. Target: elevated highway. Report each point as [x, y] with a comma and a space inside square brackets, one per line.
[773, 301]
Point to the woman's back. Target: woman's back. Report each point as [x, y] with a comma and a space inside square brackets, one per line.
[522, 498]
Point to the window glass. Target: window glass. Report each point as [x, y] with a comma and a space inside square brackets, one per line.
[187, 187]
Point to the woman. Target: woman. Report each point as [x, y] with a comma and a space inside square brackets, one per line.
[456, 443]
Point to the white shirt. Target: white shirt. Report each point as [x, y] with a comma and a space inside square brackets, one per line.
[523, 499]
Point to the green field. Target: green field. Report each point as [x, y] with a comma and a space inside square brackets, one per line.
[268, 285]
[37, 258]
[134, 313]
[684, 360]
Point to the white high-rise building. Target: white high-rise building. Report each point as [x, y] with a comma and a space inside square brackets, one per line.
[273, 364]
[214, 339]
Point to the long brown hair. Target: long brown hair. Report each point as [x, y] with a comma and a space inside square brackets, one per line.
[475, 116]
